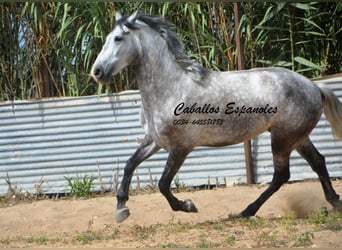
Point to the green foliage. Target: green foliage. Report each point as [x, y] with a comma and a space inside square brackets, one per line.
[143, 232]
[203, 244]
[177, 182]
[230, 240]
[42, 240]
[80, 186]
[256, 222]
[302, 36]
[305, 239]
[268, 238]
[86, 237]
[319, 217]
[47, 48]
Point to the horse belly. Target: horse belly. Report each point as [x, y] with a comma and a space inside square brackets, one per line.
[232, 131]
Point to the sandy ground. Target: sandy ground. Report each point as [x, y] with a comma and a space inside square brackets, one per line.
[70, 217]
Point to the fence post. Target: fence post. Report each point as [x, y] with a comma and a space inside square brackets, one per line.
[241, 66]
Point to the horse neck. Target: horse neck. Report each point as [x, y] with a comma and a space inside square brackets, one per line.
[157, 72]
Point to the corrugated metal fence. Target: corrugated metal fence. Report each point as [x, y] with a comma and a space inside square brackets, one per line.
[47, 140]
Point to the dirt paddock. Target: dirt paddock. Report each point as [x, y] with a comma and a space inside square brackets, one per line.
[91, 222]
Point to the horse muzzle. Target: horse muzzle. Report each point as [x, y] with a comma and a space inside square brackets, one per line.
[100, 74]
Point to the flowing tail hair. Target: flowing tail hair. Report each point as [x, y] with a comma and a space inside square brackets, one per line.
[333, 111]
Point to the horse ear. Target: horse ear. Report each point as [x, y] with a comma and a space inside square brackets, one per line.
[117, 15]
[133, 17]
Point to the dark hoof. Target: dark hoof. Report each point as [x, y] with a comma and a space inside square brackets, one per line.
[243, 214]
[122, 214]
[238, 216]
[234, 216]
[188, 206]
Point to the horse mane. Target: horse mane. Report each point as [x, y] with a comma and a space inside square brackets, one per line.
[195, 71]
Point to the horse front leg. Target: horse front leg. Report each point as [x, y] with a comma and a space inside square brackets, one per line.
[145, 150]
[174, 162]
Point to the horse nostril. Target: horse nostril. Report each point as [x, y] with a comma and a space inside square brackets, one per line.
[98, 72]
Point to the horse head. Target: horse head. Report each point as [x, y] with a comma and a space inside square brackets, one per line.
[120, 49]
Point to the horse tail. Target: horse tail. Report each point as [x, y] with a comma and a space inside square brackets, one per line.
[332, 110]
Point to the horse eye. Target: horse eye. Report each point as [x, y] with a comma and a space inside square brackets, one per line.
[118, 38]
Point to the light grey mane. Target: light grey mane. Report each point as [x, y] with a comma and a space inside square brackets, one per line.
[174, 45]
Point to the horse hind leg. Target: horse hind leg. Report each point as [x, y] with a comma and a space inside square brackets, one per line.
[317, 162]
[281, 149]
[280, 176]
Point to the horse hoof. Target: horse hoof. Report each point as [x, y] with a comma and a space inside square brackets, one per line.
[234, 216]
[122, 214]
[189, 206]
[240, 215]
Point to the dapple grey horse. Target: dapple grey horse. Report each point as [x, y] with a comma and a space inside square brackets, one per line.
[185, 105]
